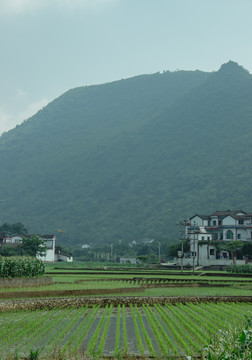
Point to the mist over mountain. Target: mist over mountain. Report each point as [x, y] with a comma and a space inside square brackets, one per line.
[128, 159]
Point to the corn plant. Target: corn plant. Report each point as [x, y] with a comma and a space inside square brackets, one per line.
[20, 266]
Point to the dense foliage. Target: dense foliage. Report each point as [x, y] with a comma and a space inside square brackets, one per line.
[11, 267]
[240, 269]
[33, 245]
[233, 344]
[13, 229]
[127, 160]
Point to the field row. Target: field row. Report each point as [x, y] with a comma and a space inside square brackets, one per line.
[113, 330]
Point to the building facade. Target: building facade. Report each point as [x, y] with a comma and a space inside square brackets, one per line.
[49, 241]
[206, 233]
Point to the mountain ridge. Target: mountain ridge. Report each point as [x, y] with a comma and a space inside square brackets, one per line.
[133, 157]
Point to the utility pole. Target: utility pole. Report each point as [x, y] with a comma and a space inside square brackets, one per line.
[111, 247]
[194, 235]
[182, 238]
[182, 246]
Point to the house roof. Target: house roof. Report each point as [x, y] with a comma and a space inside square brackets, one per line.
[203, 217]
[47, 237]
[240, 217]
[227, 212]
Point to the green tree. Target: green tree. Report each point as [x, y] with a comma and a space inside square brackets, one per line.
[231, 246]
[174, 248]
[143, 258]
[9, 250]
[13, 229]
[247, 249]
[33, 245]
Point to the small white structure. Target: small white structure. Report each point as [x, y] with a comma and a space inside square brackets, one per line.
[85, 246]
[62, 257]
[128, 260]
[10, 239]
[49, 241]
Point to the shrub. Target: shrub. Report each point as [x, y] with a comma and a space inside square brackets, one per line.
[20, 267]
[239, 269]
[235, 344]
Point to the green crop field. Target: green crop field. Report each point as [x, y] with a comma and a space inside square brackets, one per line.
[113, 330]
[151, 331]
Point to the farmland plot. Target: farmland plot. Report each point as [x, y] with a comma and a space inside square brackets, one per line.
[147, 330]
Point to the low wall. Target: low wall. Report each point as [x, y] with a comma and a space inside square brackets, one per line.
[207, 262]
[78, 302]
[25, 282]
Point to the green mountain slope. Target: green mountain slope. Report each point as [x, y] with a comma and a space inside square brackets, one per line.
[129, 159]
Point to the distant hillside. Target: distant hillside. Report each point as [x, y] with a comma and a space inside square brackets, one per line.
[129, 159]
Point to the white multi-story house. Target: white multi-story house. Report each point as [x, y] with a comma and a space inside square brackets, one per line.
[205, 231]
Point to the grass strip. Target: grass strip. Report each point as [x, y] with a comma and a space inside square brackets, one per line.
[139, 339]
[187, 328]
[125, 338]
[162, 337]
[145, 334]
[172, 328]
[117, 341]
[91, 350]
[105, 330]
[84, 328]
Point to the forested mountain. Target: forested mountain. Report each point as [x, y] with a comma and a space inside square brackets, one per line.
[127, 160]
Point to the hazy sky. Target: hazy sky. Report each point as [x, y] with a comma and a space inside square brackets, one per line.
[50, 46]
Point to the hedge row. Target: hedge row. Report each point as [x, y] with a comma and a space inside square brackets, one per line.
[240, 269]
[22, 266]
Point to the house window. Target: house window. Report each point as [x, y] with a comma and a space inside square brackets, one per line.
[214, 222]
[219, 222]
[211, 251]
[208, 238]
[229, 234]
[202, 238]
[238, 236]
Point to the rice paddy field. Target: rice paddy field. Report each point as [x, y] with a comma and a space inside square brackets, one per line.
[157, 331]
[118, 331]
